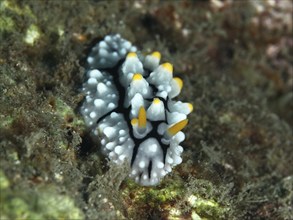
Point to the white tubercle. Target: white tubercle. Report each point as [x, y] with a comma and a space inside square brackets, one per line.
[181, 107]
[152, 61]
[109, 51]
[162, 75]
[101, 97]
[149, 154]
[162, 94]
[139, 132]
[156, 111]
[132, 64]
[137, 85]
[176, 86]
[117, 142]
[174, 117]
[179, 137]
[162, 128]
[95, 74]
[136, 102]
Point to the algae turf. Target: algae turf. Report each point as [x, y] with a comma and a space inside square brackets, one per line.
[235, 59]
[39, 203]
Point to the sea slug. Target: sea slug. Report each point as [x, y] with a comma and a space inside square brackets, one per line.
[129, 107]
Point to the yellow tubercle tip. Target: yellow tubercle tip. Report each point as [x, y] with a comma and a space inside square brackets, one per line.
[156, 101]
[168, 67]
[179, 82]
[131, 54]
[190, 106]
[174, 129]
[137, 76]
[134, 121]
[156, 54]
[142, 117]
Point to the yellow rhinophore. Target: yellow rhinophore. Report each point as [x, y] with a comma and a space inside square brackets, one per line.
[131, 54]
[156, 54]
[142, 117]
[179, 82]
[174, 129]
[168, 67]
[156, 101]
[190, 106]
[134, 121]
[137, 76]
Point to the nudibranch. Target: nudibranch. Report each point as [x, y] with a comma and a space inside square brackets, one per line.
[129, 107]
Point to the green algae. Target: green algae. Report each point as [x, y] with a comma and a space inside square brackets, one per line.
[154, 196]
[41, 203]
[6, 24]
[32, 34]
[9, 12]
[5, 122]
[4, 182]
[66, 112]
[207, 208]
[176, 199]
[12, 6]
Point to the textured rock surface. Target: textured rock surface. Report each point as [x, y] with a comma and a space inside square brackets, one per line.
[235, 60]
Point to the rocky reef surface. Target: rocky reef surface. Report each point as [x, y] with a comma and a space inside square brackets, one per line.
[235, 58]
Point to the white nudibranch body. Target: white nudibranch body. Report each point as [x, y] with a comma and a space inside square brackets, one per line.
[129, 107]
